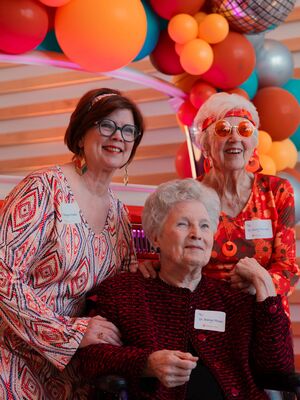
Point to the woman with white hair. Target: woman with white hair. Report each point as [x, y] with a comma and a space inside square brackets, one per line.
[187, 336]
[258, 216]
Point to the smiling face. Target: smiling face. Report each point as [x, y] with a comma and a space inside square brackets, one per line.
[232, 152]
[186, 238]
[108, 153]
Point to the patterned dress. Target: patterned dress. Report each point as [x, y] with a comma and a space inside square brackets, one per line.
[49, 259]
[272, 198]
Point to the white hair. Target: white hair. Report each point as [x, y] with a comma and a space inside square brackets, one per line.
[216, 107]
[160, 202]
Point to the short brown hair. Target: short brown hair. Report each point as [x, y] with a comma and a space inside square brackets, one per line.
[90, 110]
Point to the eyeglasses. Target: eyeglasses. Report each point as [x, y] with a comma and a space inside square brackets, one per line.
[107, 128]
[223, 128]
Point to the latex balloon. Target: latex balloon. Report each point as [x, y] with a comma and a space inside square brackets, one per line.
[293, 177]
[295, 138]
[182, 162]
[257, 40]
[251, 84]
[168, 8]
[182, 28]
[234, 61]
[293, 153]
[239, 91]
[23, 25]
[213, 28]
[253, 16]
[280, 153]
[196, 57]
[293, 87]
[274, 64]
[267, 164]
[50, 43]
[184, 81]
[101, 35]
[264, 142]
[153, 31]
[187, 113]
[278, 111]
[164, 57]
[54, 3]
[200, 92]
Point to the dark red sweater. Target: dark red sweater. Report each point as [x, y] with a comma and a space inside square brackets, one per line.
[153, 315]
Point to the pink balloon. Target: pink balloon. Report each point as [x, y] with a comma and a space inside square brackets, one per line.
[23, 25]
[164, 57]
[168, 8]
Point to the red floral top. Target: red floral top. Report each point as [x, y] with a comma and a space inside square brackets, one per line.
[272, 198]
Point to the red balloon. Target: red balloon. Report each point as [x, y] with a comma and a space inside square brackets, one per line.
[182, 162]
[164, 57]
[278, 110]
[168, 8]
[234, 61]
[23, 25]
[200, 92]
[240, 92]
[186, 113]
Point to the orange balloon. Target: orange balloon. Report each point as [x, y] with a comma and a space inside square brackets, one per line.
[268, 165]
[293, 153]
[178, 48]
[239, 91]
[184, 81]
[264, 142]
[199, 16]
[278, 110]
[213, 28]
[182, 28]
[196, 57]
[280, 153]
[101, 35]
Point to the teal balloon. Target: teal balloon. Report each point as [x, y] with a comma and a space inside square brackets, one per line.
[153, 31]
[295, 138]
[293, 86]
[251, 84]
[50, 43]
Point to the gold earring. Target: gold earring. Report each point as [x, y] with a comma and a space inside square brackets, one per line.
[80, 165]
[125, 178]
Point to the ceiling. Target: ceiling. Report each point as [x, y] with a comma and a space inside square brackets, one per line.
[36, 102]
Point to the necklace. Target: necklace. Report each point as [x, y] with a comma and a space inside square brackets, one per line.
[229, 248]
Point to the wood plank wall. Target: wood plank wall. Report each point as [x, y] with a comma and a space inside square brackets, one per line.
[36, 102]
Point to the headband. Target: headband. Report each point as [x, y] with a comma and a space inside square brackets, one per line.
[238, 112]
[100, 97]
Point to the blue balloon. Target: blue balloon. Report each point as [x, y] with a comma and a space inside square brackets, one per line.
[293, 86]
[50, 43]
[153, 31]
[251, 84]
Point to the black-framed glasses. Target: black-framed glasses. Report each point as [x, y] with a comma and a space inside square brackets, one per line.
[107, 128]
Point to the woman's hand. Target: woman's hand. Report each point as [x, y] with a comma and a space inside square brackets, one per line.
[148, 268]
[173, 368]
[99, 330]
[249, 275]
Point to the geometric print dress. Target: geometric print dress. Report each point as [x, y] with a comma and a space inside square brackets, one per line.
[271, 202]
[49, 259]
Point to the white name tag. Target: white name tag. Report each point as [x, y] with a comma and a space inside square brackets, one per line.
[210, 320]
[258, 229]
[70, 213]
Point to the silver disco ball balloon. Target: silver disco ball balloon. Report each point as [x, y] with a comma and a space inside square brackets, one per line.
[253, 16]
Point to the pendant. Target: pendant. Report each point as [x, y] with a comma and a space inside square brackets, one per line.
[229, 249]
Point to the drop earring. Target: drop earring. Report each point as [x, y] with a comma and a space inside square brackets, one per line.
[207, 164]
[125, 178]
[80, 165]
[253, 163]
